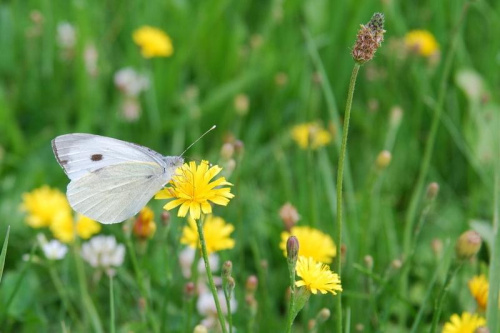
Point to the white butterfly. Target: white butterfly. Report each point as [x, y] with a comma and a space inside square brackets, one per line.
[111, 180]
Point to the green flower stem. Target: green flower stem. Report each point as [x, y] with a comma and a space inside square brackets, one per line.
[87, 301]
[111, 305]
[227, 296]
[452, 271]
[301, 298]
[291, 305]
[62, 292]
[194, 279]
[211, 283]
[429, 148]
[492, 310]
[340, 176]
[140, 281]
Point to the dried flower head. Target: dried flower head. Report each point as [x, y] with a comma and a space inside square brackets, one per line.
[369, 39]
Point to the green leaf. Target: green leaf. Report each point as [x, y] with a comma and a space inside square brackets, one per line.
[4, 252]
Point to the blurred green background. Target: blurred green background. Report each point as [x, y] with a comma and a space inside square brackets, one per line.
[290, 60]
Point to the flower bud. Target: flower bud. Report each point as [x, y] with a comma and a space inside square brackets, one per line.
[241, 104]
[251, 284]
[368, 261]
[396, 263]
[432, 190]
[396, 116]
[324, 314]
[144, 224]
[189, 290]
[227, 151]
[468, 245]
[227, 269]
[437, 247]
[239, 147]
[292, 249]
[383, 159]
[165, 217]
[289, 215]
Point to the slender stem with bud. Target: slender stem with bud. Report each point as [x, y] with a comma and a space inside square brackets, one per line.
[211, 283]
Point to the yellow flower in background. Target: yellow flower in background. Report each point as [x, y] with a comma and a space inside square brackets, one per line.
[153, 42]
[311, 135]
[217, 234]
[312, 243]
[467, 323]
[144, 225]
[317, 276]
[86, 227]
[422, 42]
[192, 190]
[478, 287]
[65, 229]
[43, 206]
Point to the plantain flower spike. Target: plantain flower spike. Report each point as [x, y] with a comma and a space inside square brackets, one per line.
[370, 37]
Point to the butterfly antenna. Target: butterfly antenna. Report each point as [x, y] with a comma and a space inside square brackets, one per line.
[211, 128]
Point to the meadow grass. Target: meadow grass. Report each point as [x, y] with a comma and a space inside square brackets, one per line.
[292, 61]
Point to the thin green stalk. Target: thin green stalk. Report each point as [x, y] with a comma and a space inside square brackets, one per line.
[4, 252]
[194, 278]
[111, 305]
[227, 296]
[452, 271]
[68, 306]
[429, 148]
[492, 311]
[211, 283]
[87, 301]
[340, 176]
[291, 305]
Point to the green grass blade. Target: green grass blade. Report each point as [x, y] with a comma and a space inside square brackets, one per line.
[4, 252]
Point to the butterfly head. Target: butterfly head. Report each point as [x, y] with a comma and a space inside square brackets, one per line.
[174, 161]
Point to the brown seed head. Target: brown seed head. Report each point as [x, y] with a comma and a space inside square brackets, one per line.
[369, 39]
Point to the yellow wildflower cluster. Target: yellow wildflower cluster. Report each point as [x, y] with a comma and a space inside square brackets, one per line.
[47, 207]
[153, 42]
[144, 225]
[479, 287]
[311, 135]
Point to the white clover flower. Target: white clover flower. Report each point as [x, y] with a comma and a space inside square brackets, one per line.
[130, 82]
[66, 35]
[54, 250]
[186, 258]
[104, 253]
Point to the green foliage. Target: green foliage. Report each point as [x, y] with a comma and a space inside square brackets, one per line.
[292, 60]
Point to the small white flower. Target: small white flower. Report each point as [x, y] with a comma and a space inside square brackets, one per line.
[66, 35]
[103, 252]
[130, 82]
[186, 258]
[54, 250]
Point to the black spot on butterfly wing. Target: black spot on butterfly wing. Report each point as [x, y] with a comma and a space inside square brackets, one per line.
[96, 157]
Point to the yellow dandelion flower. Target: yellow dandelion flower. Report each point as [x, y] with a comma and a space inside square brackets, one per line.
[317, 276]
[43, 205]
[86, 227]
[422, 42]
[217, 234]
[311, 135]
[312, 243]
[467, 323]
[478, 287]
[193, 190]
[63, 228]
[153, 42]
[144, 225]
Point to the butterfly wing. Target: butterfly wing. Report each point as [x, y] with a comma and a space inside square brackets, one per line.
[79, 153]
[116, 192]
